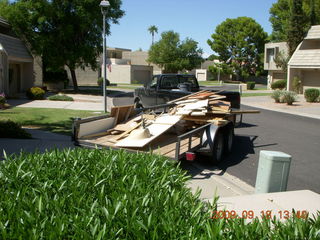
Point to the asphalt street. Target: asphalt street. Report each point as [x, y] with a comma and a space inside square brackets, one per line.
[274, 131]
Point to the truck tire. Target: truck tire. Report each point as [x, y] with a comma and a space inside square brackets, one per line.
[218, 148]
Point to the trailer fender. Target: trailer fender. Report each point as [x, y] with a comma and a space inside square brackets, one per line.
[209, 136]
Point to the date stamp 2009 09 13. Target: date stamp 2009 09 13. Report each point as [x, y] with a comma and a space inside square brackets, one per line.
[250, 214]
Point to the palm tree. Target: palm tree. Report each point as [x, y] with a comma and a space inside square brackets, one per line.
[152, 30]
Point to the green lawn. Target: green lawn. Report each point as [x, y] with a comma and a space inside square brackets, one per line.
[54, 120]
[207, 83]
[255, 94]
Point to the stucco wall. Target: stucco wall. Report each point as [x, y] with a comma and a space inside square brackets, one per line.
[86, 77]
[119, 74]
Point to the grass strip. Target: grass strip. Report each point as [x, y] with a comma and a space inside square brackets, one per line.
[50, 119]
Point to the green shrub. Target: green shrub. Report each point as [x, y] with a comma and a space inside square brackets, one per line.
[296, 84]
[277, 95]
[311, 94]
[280, 84]
[9, 129]
[35, 93]
[101, 194]
[60, 98]
[100, 82]
[251, 85]
[3, 98]
[289, 97]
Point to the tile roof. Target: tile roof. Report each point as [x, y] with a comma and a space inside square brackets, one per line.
[306, 58]
[314, 32]
[14, 47]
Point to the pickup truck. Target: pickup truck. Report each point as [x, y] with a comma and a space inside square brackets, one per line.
[166, 87]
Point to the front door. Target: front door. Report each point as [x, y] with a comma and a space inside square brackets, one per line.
[14, 79]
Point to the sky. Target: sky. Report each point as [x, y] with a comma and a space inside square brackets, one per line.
[196, 19]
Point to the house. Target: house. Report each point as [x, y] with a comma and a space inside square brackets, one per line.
[271, 51]
[304, 64]
[16, 63]
[123, 66]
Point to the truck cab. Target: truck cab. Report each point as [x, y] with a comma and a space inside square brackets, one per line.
[165, 87]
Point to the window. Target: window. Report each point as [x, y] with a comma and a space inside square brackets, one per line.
[154, 81]
[270, 55]
[169, 82]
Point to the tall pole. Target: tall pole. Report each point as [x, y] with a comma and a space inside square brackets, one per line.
[104, 62]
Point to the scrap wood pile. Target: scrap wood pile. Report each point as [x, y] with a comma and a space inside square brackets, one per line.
[203, 107]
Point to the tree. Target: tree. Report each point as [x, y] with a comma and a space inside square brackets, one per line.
[240, 44]
[280, 15]
[62, 32]
[296, 28]
[152, 30]
[173, 55]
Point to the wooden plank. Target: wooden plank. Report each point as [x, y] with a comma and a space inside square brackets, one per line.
[128, 131]
[186, 97]
[155, 131]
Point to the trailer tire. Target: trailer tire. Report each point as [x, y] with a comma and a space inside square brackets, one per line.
[218, 148]
[229, 138]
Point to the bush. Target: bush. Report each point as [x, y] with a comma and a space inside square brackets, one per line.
[2, 98]
[311, 94]
[280, 84]
[277, 95]
[289, 97]
[60, 98]
[9, 129]
[104, 194]
[296, 84]
[251, 85]
[35, 93]
[100, 82]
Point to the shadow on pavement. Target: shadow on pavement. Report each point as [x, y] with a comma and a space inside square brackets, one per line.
[202, 168]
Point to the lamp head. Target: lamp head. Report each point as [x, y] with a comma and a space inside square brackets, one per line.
[104, 4]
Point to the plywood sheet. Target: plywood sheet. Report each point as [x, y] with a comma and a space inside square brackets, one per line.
[161, 125]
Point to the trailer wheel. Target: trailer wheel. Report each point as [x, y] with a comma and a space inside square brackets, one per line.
[218, 148]
[228, 141]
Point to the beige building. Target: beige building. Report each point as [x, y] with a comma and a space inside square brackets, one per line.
[123, 66]
[16, 63]
[271, 51]
[305, 61]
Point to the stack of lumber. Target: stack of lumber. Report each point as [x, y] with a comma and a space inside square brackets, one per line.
[203, 107]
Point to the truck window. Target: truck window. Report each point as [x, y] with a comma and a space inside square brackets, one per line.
[154, 81]
[169, 82]
[189, 79]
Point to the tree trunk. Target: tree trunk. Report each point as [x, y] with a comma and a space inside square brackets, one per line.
[74, 79]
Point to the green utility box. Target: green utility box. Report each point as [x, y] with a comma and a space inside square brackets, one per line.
[273, 172]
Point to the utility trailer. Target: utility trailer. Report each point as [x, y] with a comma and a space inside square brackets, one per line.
[193, 125]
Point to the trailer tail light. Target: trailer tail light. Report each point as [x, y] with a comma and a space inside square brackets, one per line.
[190, 156]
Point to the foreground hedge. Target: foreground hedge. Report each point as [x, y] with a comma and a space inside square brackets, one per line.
[98, 194]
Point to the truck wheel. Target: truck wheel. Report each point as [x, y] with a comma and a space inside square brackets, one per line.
[228, 141]
[218, 148]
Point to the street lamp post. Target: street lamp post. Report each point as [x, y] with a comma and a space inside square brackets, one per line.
[104, 5]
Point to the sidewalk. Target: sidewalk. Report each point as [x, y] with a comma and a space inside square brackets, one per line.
[300, 108]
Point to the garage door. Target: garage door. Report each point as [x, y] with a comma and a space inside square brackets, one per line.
[311, 78]
[141, 76]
